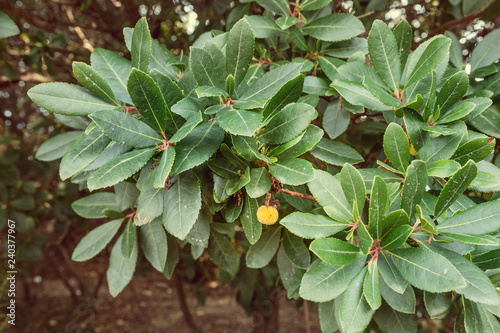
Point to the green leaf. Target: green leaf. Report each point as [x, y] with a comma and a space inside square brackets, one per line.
[119, 168]
[389, 320]
[200, 232]
[311, 226]
[286, 22]
[233, 210]
[171, 94]
[126, 194]
[115, 69]
[441, 148]
[390, 274]
[455, 186]
[149, 205]
[204, 69]
[353, 186]
[268, 85]
[478, 220]
[355, 312]
[452, 91]
[129, 239]
[7, 27]
[487, 51]
[182, 203]
[121, 269]
[239, 122]
[187, 127]
[154, 244]
[397, 238]
[365, 239]
[224, 169]
[90, 79]
[346, 49]
[141, 45]
[371, 287]
[378, 206]
[296, 250]
[479, 287]
[260, 183]
[317, 86]
[334, 251]
[261, 253]
[323, 282]
[197, 146]
[486, 240]
[357, 94]
[396, 146]
[148, 99]
[307, 5]
[476, 150]
[488, 121]
[248, 149]
[414, 187]
[294, 171]
[334, 27]
[481, 103]
[288, 93]
[487, 260]
[438, 305]
[239, 50]
[96, 240]
[382, 95]
[288, 123]
[442, 168]
[478, 319]
[404, 302]
[166, 162]
[172, 256]
[336, 153]
[161, 60]
[263, 27]
[327, 320]
[335, 119]
[426, 58]
[55, 147]
[427, 270]
[84, 150]
[404, 38]
[304, 143]
[328, 192]
[91, 206]
[67, 99]
[251, 225]
[383, 49]
[456, 57]
[126, 129]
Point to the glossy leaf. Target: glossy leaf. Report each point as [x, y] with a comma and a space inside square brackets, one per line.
[91, 206]
[239, 50]
[334, 27]
[165, 166]
[336, 153]
[90, 79]
[455, 186]
[251, 225]
[239, 122]
[414, 187]
[261, 253]
[294, 171]
[154, 244]
[353, 186]
[121, 269]
[396, 146]
[296, 250]
[95, 241]
[427, 270]
[119, 168]
[334, 251]
[311, 225]
[126, 129]
[260, 183]
[182, 204]
[378, 207]
[67, 99]
[141, 45]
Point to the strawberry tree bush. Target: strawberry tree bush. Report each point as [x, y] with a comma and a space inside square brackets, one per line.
[359, 174]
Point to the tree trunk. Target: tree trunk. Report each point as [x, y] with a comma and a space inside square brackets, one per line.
[266, 315]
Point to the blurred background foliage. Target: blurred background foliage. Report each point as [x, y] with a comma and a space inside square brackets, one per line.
[55, 33]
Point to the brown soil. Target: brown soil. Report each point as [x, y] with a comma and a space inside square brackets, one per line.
[148, 304]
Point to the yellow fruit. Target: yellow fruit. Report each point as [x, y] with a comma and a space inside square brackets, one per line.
[267, 215]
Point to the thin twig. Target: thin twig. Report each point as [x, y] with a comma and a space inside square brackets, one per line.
[298, 194]
[306, 313]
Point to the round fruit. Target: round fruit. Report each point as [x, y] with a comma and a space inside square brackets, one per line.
[267, 215]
